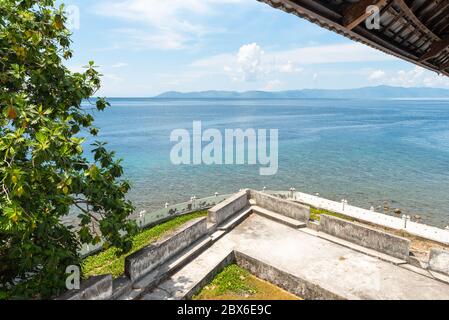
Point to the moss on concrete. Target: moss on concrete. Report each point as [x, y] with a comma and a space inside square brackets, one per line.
[112, 261]
[235, 283]
[315, 214]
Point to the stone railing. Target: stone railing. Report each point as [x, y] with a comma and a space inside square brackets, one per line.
[163, 257]
[404, 223]
[146, 220]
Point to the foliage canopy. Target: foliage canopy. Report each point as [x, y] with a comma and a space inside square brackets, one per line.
[44, 172]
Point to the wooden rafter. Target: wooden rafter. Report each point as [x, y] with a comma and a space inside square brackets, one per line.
[436, 49]
[413, 32]
[405, 25]
[445, 66]
[356, 13]
[442, 22]
[435, 12]
[405, 8]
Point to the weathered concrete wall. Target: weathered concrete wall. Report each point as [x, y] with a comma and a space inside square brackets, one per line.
[439, 261]
[287, 208]
[283, 279]
[148, 258]
[229, 259]
[121, 286]
[367, 237]
[228, 208]
[95, 288]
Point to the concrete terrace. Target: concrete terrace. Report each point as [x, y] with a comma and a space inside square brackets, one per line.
[274, 240]
[337, 269]
[284, 249]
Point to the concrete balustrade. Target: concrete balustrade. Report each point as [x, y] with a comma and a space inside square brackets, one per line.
[147, 259]
[287, 208]
[228, 208]
[367, 237]
[162, 258]
[414, 228]
[95, 288]
[439, 261]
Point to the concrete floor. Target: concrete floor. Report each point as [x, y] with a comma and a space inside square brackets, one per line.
[338, 269]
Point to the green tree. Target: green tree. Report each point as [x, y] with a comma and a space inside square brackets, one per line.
[44, 172]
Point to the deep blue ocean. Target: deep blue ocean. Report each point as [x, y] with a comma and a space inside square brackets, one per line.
[367, 151]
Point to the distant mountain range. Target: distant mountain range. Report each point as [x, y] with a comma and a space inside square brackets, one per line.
[379, 92]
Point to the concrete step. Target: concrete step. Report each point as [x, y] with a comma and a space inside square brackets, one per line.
[439, 276]
[165, 270]
[428, 273]
[235, 219]
[188, 280]
[189, 254]
[358, 248]
[120, 287]
[279, 218]
[217, 235]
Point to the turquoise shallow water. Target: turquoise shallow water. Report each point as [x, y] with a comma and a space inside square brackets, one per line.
[366, 151]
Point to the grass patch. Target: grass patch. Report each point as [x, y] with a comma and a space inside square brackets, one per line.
[235, 283]
[315, 214]
[110, 261]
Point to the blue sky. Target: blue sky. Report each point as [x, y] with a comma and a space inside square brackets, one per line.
[146, 47]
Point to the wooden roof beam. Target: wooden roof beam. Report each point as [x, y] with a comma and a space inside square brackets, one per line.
[435, 49]
[436, 12]
[376, 39]
[410, 14]
[356, 13]
[442, 22]
[445, 66]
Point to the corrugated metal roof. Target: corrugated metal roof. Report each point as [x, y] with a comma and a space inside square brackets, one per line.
[414, 30]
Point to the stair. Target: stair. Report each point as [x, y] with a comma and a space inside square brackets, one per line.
[235, 219]
[279, 218]
[165, 270]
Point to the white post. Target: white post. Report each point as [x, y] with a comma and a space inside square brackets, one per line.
[292, 192]
[344, 202]
[141, 215]
[404, 218]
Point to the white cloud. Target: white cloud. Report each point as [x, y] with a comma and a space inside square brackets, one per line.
[289, 67]
[77, 68]
[119, 65]
[273, 85]
[168, 24]
[137, 39]
[409, 78]
[113, 77]
[215, 62]
[376, 75]
[415, 77]
[335, 53]
[249, 61]
[285, 59]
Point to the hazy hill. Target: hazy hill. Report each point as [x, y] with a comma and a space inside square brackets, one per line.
[379, 92]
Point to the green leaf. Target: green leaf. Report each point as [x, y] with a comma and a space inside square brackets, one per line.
[44, 168]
